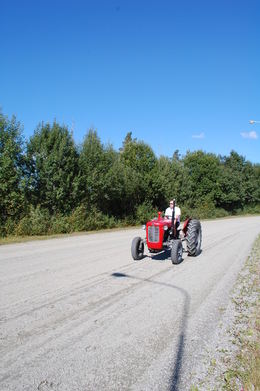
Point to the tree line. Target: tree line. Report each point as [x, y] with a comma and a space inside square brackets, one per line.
[48, 184]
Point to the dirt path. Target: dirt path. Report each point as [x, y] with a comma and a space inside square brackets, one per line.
[79, 314]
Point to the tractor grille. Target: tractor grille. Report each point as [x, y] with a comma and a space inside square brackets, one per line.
[153, 234]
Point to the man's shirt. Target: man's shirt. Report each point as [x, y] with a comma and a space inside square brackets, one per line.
[177, 212]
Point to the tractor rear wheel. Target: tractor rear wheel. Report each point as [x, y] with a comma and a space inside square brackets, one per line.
[176, 253]
[194, 236]
[137, 248]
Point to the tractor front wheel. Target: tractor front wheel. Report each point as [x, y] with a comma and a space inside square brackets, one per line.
[176, 253]
[137, 248]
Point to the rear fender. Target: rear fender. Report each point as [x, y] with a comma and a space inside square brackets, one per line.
[185, 226]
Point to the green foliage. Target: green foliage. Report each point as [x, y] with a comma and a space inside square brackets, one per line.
[139, 162]
[9, 227]
[60, 225]
[82, 220]
[78, 219]
[40, 222]
[252, 209]
[239, 183]
[206, 210]
[120, 187]
[232, 187]
[202, 173]
[251, 183]
[57, 187]
[11, 172]
[138, 155]
[92, 169]
[52, 166]
[37, 222]
[145, 212]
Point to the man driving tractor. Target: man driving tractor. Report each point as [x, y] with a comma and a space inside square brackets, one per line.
[177, 213]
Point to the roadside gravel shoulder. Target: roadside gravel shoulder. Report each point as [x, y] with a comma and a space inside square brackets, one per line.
[233, 362]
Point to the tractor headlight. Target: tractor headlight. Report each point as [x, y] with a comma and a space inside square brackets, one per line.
[144, 227]
[165, 227]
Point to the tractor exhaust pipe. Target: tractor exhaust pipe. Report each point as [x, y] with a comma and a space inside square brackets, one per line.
[173, 218]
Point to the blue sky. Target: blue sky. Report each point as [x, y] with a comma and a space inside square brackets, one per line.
[178, 74]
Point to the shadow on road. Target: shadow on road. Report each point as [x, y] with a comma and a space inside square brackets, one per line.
[165, 255]
[176, 370]
[162, 256]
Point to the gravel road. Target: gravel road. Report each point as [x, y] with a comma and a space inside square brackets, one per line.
[78, 313]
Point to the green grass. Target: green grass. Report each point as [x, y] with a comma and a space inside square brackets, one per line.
[24, 239]
[245, 369]
[239, 369]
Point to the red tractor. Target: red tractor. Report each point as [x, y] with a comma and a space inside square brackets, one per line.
[161, 234]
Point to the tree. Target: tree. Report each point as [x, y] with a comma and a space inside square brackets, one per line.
[121, 189]
[140, 161]
[251, 184]
[11, 170]
[231, 193]
[202, 173]
[52, 165]
[137, 155]
[161, 183]
[92, 170]
[256, 193]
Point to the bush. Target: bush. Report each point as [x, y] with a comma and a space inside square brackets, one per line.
[90, 220]
[145, 212]
[220, 212]
[206, 210]
[8, 228]
[252, 209]
[127, 221]
[23, 228]
[97, 220]
[60, 225]
[38, 222]
[78, 219]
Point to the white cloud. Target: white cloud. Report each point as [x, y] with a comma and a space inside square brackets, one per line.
[201, 135]
[253, 135]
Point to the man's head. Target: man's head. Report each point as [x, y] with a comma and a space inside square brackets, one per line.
[172, 203]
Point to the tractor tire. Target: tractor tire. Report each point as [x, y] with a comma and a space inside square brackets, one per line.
[137, 249]
[194, 236]
[176, 252]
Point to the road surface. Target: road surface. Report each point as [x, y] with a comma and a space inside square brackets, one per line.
[78, 313]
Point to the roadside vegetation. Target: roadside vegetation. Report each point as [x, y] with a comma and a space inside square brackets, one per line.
[233, 364]
[50, 185]
[243, 372]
